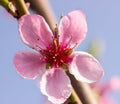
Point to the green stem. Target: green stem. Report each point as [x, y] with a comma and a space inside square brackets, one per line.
[73, 99]
[4, 3]
[21, 7]
[8, 6]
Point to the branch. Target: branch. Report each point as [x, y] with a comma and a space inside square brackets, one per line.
[21, 7]
[83, 91]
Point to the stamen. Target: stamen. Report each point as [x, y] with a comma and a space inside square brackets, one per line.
[56, 54]
[55, 41]
[56, 33]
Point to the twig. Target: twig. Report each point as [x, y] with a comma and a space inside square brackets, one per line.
[21, 7]
[83, 91]
[77, 100]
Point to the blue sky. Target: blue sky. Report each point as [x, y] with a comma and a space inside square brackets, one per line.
[103, 19]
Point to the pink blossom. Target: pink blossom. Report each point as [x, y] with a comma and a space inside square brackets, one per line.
[54, 54]
[103, 90]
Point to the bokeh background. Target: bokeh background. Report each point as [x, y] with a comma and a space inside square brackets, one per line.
[103, 19]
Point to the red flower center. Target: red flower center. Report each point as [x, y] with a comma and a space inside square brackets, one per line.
[56, 55]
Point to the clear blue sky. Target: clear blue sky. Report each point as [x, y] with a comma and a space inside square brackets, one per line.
[103, 18]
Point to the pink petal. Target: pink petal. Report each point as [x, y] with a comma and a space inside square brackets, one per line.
[114, 83]
[28, 64]
[85, 67]
[111, 85]
[56, 85]
[105, 99]
[34, 31]
[73, 28]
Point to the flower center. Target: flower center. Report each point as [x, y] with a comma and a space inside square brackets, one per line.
[56, 55]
